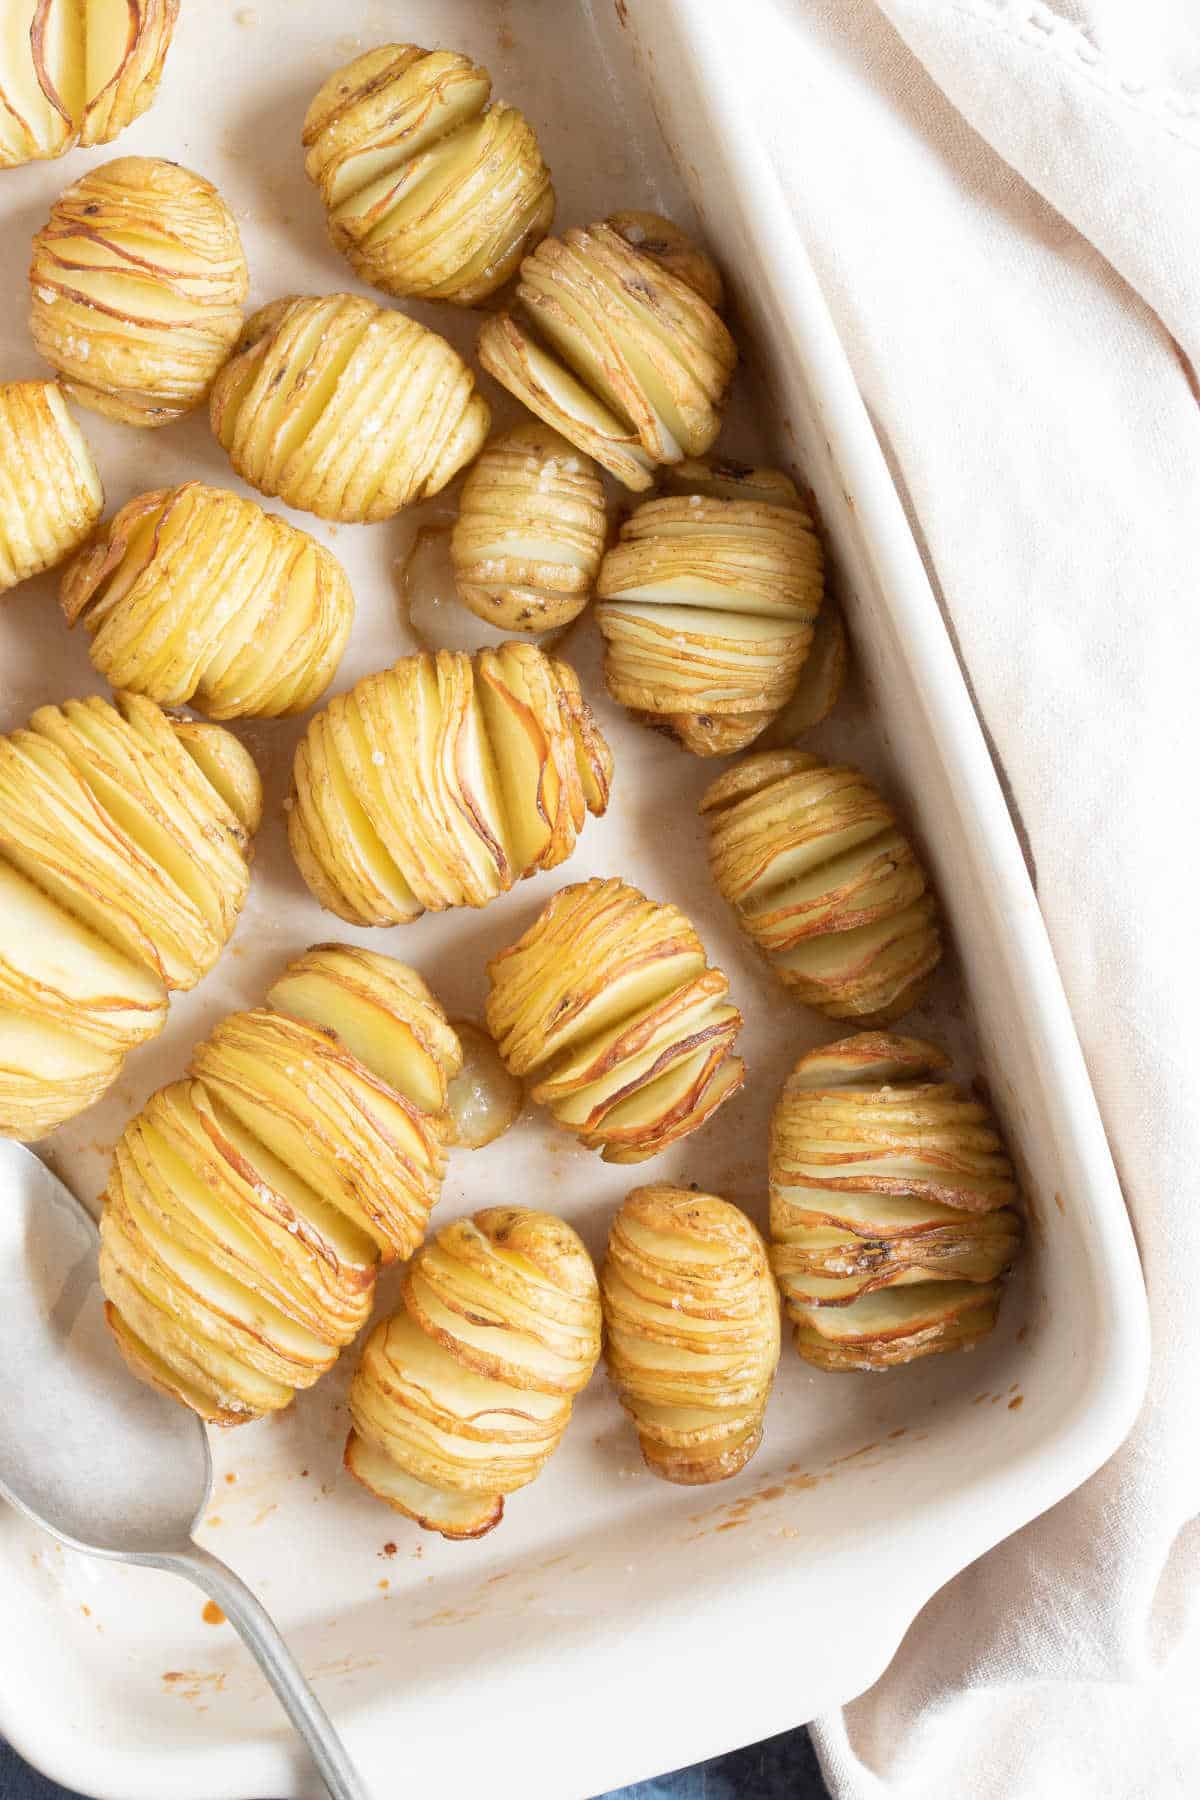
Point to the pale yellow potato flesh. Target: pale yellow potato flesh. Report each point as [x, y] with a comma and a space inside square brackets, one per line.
[617, 348]
[823, 881]
[530, 532]
[344, 408]
[195, 596]
[463, 1395]
[50, 490]
[77, 71]
[894, 1207]
[250, 1206]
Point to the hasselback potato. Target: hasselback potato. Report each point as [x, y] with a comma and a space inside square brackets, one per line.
[50, 489]
[195, 596]
[530, 531]
[892, 1205]
[823, 881]
[691, 1322]
[138, 281]
[442, 781]
[707, 604]
[77, 71]
[124, 845]
[614, 349]
[462, 1396]
[344, 408]
[429, 190]
[250, 1206]
[608, 1004]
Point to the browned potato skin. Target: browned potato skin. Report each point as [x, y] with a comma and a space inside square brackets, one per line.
[97, 116]
[687, 1273]
[336, 1089]
[138, 279]
[893, 1220]
[449, 1418]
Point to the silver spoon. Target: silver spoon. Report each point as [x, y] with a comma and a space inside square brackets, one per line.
[103, 1462]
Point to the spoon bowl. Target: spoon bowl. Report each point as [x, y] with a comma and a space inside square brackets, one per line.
[105, 1463]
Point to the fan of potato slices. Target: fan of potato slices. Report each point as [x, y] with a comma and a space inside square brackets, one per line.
[251, 1205]
[824, 882]
[124, 863]
[464, 1394]
[893, 1220]
[444, 780]
[692, 1330]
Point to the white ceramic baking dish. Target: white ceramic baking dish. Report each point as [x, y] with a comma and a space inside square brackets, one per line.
[613, 1626]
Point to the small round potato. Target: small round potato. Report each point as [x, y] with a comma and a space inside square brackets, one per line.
[138, 281]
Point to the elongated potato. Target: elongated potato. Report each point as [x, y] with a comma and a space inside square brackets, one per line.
[251, 1205]
[346, 409]
[823, 881]
[77, 71]
[530, 531]
[613, 348]
[463, 1395]
[442, 781]
[197, 597]
[50, 489]
[893, 1220]
[708, 603]
[691, 1322]
[429, 190]
[138, 280]
[124, 862]
[608, 1004]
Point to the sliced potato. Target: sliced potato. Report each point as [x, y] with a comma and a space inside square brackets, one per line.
[249, 1207]
[430, 191]
[692, 1323]
[893, 1204]
[442, 781]
[138, 281]
[463, 1395]
[50, 490]
[345, 409]
[608, 1003]
[824, 882]
[77, 71]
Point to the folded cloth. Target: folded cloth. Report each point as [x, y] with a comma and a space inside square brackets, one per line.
[1000, 198]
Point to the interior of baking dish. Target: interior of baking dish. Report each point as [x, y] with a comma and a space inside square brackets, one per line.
[613, 1625]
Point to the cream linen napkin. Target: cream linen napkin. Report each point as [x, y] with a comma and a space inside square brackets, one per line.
[1002, 200]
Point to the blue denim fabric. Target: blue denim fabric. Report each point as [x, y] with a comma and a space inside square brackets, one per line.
[782, 1768]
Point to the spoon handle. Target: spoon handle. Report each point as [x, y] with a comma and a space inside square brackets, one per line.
[262, 1638]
